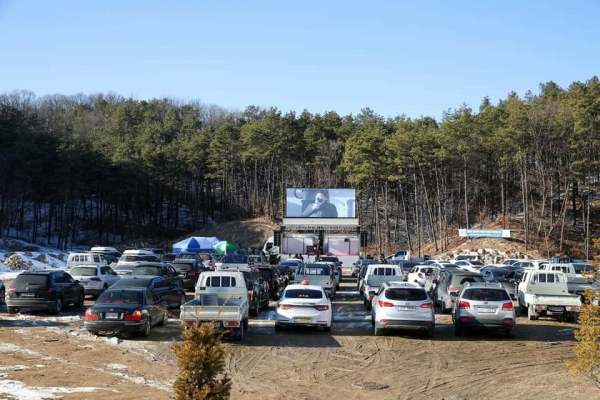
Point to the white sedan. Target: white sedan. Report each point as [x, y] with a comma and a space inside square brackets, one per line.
[303, 305]
[471, 266]
[420, 273]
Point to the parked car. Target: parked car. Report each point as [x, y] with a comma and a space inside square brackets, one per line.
[111, 254]
[258, 290]
[293, 265]
[95, 279]
[510, 261]
[168, 257]
[335, 260]
[44, 290]
[88, 258]
[276, 283]
[451, 281]
[510, 282]
[171, 294]
[402, 305]
[132, 258]
[159, 270]
[483, 305]
[188, 271]
[380, 269]
[362, 267]
[189, 258]
[286, 272]
[208, 261]
[2, 292]
[530, 264]
[120, 310]
[472, 266]
[303, 305]
[420, 273]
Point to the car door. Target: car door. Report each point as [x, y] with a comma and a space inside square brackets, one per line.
[156, 308]
[174, 277]
[61, 286]
[162, 287]
[71, 287]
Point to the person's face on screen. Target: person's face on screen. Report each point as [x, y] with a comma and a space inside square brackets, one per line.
[320, 198]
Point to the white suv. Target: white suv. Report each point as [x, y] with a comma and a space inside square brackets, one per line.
[402, 305]
[95, 279]
[420, 273]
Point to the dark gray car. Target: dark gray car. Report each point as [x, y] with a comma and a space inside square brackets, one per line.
[451, 281]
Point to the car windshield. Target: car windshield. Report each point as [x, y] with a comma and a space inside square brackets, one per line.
[186, 256]
[579, 268]
[477, 263]
[235, 259]
[205, 257]
[303, 294]
[83, 271]
[407, 294]
[31, 279]
[147, 270]
[316, 270]
[181, 267]
[130, 258]
[486, 294]
[120, 297]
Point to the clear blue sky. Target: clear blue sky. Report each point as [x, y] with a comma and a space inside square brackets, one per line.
[395, 57]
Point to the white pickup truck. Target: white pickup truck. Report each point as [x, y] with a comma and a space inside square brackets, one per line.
[576, 281]
[221, 298]
[232, 262]
[545, 293]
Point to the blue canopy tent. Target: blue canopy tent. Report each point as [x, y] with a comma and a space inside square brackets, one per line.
[196, 244]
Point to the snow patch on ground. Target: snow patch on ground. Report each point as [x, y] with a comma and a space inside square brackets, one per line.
[117, 366]
[355, 316]
[114, 341]
[20, 391]
[13, 367]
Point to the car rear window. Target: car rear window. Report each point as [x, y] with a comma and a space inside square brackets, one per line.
[31, 279]
[408, 294]
[459, 280]
[131, 283]
[316, 270]
[130, 258]
[182, 267]
[205, 257]
[221, 281]
[235, 259]
[303, 294]
[120, 297]
[486, 295]
[186, 256]
[147, 270]
[384, 271]
[579, 268]
[83, 271]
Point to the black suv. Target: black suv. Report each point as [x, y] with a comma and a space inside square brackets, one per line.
[44, 290]
[258, 290]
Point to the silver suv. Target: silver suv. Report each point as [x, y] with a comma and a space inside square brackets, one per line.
[483, 305]
[402, 305]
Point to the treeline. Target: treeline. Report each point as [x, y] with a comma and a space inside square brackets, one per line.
[107, 164]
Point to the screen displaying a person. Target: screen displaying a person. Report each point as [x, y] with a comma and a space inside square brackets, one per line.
[321, 208]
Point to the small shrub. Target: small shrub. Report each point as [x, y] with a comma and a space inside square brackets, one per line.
[201, 361]
[15, 262]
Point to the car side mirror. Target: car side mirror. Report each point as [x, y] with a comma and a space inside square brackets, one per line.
[453, 295]
[76, 282]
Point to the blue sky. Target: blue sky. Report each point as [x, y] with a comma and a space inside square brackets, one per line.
[395, 57]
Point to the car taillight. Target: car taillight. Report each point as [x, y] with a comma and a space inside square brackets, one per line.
[12, 288]
[464, 304]
[285, 306]
[427, 305]
[250, 294]
[96, 279]
[507, 306]
[192, 272]
[384, 303]
[135, 316]
[89, 316]
[420, 275]
[322, 308]
[46, 289]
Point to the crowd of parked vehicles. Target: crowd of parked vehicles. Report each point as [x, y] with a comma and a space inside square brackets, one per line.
[134, 290]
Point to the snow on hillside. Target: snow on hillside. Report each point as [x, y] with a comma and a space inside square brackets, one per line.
[34, 257]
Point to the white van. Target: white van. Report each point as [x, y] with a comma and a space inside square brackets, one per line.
[381, 269]
[86, 259]
[132, 258]
[112, 254]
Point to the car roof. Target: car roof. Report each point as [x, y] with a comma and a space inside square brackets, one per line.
[42, 272]
[398, 284]
[299, 286]
[486, 285]
[139, 289]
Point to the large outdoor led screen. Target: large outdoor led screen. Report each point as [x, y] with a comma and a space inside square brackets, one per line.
[320, 203]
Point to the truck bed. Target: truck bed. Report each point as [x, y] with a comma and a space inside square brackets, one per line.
[212, 307]
[556, 300]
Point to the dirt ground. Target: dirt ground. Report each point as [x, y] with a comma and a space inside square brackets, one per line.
[42, 355]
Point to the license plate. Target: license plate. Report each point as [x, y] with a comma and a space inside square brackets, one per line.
[405, 308]
[303, 320]
[487, 310]
[559, 309]
[111, 315]
[27, 294]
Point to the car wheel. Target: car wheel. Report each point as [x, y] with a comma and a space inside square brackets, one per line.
[57, 306]
[164, 320]
[378, 331]
[239, 336]
[373, 319]
[368, 305]
[254, 311]
[2, 295]
[531, 313]
[458, 331]
[80, 300]
[12, 310]
[147, 328]
[245, 324]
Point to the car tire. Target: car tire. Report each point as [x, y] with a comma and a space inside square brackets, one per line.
[531, 313]
[80, 300]
[239, 334]
[147, 328]
[2, 295]
[378, 331]
[245, 324]
[254, 310]
[372, 319]
[164, 320]
[368, 305]
[57, 306]
[12, 310]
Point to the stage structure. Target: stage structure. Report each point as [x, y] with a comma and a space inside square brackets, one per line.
[320, 221]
